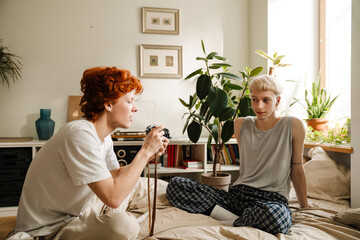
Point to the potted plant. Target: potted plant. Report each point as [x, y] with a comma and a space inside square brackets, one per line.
[275, 60]
[10, 67]
[318, 105]
[219, 98]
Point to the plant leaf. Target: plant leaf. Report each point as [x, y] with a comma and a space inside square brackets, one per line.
[194, 73]
[227, 113]
[244, 107]
[211, 55]
[203, 47]
[233, 86]
[217, 100]
[227, 130]
[203, 86]
[184, 103]
[194, 131]
[219, 65]
[264, 55]
[201, 58]
[220, 58]
[230, 75]
[256, 71]
[214, 131]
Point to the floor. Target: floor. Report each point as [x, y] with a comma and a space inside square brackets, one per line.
[6, 225]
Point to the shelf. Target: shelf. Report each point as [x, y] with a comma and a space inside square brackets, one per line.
[330, 147]
[166, 170]
[209, 167]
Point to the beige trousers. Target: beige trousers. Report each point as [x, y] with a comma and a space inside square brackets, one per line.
[97, 222]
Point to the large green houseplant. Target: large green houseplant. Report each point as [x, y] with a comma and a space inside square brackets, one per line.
[317, 105]
[220, 97]
[10, 66]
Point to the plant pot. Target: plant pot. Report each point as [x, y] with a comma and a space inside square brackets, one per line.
[220, 182]
[318, 124]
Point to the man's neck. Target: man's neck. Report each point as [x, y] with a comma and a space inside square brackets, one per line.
[267, 123]
[102, 127]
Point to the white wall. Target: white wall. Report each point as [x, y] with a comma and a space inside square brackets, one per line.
[58, 40]
[355, 100]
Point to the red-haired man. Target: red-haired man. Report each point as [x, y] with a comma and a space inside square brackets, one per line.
[79, 161]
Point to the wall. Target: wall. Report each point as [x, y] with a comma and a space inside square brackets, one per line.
[58, 40]
[355, 100]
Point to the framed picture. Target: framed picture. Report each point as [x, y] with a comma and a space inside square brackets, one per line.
[160, 20]
[160, 61]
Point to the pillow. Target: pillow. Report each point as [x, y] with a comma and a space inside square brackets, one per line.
[325, 179]
[349, 217]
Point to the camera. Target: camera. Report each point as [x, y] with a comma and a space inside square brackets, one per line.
[165, 130]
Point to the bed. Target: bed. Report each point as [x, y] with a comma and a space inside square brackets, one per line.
[329, 216]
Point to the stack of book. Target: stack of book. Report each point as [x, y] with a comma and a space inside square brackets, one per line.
[193, 164]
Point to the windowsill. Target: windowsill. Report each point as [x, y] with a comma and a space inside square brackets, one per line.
[330, 147]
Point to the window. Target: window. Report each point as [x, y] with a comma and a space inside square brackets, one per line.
[335, 54]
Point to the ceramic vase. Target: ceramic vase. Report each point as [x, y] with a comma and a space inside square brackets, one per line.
[45, 125]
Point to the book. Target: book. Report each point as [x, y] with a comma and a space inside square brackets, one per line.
[193, 163]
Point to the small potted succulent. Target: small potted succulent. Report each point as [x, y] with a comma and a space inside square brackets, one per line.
[219, 98]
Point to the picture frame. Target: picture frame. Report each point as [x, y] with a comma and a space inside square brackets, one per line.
[160, 20]
[160, 61]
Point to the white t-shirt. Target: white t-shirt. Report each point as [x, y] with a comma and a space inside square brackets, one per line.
[55, 189]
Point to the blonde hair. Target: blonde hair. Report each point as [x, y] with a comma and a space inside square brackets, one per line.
[265, 83]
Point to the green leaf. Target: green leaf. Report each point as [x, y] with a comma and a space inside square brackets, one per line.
[230, 75]
[256, 71]
[192, 100]
[227, 114]
[220, 58]
[201, 58]
[245, 107]
[211, 55]
[218, 65]
[227, 130]
[280, 57]
[184, 103]
[198, 116]
[217, 100]
[194, 131]
[204, 108]
[214, 131]
[199, 71]
[208, 116]
[203, 86]
[233, 86]
[203, 47]
[186, 124]
[264, 55]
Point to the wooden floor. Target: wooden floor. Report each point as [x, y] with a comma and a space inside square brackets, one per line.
[6, 225]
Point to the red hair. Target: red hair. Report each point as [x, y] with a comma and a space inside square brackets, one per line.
[102, 85]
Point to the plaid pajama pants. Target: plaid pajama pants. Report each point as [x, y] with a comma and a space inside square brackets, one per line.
[267, 211]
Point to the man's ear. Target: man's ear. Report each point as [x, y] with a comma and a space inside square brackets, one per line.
[278, 98]
[108, 107]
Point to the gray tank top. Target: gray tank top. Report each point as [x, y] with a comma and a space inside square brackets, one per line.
[265, 156]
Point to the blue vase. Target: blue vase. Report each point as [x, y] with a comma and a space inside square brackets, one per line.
[45, 125]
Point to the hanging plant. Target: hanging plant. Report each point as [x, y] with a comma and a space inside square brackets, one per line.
[10, 66]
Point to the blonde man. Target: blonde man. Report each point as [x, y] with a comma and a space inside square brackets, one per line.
[270, 149]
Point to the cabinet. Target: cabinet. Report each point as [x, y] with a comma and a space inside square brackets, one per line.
[16, 157]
